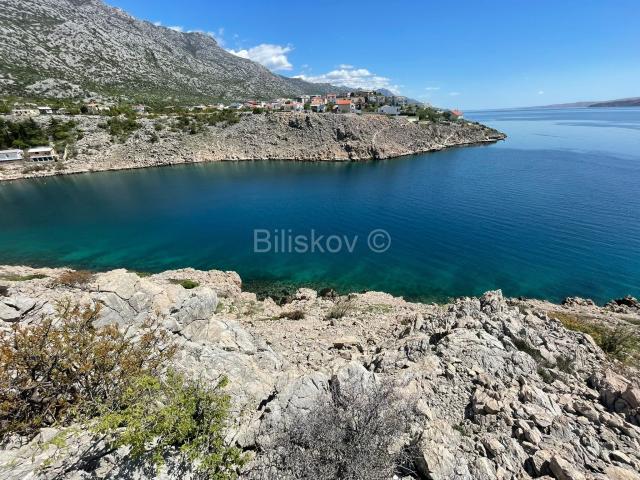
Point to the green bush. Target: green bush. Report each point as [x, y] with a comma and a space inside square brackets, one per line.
[23, 134]
[157, 415]
[28, 133]
[64, 369]
[187, 283]
[122, 127]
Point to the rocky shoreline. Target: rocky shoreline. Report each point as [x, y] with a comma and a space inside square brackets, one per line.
[275, 136]
[499, 388]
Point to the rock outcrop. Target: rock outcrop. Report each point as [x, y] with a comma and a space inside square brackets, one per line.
[275, 136]
[501, 389]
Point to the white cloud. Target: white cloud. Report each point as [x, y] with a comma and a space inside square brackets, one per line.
[176, 28]
[158, 23]
[432, 89]
[218, 36]
[352, 77]
[271, 56]
[540, 92]
[454, 94]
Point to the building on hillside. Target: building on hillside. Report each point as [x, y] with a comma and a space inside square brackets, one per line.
[344, 106]
[293, 107]
[457, 114]
[95, 108]
[389, 110]
[318, 107]
[331, 98]
[11, 155]
[42, 154]
[45, 110]
[25, 112]
[140, 108]
[303, 99]
[399, 101]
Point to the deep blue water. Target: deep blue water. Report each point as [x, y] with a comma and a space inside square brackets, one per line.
[551, 212]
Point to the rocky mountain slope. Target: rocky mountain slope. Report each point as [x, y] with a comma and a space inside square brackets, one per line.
[74, 47]
[496, 388]
[287, 136]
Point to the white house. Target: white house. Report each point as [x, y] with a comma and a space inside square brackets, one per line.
[45, 110]
[389, 110]
[42, 154]
[25, 112]
[11, 155]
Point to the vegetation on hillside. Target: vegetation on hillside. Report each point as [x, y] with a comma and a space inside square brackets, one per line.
[28, 133]
[353, 432]
[193, 123]
[157, 416]
[621, 342]
[65, 370]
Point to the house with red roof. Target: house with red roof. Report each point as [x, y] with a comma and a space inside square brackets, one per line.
[344, 105]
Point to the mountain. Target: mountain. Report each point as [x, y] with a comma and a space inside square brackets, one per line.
[623, 102]
[73, 48]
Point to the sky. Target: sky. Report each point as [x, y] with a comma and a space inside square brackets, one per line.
[468, 54]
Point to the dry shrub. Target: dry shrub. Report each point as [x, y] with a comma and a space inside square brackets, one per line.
[63, 369]
[354, 433]
[293, 315]
[75, 278]
[341, 309]
[621, 342]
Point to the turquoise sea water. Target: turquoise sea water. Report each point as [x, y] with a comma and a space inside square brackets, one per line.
[553, 211]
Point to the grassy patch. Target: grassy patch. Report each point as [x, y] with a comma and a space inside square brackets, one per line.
[22, 278]
[187, 284]
[378, 308]
[620, 342]
[142, 274]
[341, 309]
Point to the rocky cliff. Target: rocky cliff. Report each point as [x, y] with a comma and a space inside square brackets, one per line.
[74, 48]
[498, 388]
[287, 136]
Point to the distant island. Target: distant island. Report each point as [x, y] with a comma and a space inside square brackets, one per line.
[622, 102]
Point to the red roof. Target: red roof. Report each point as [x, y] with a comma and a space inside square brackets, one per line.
[343, 102]
[457, 113]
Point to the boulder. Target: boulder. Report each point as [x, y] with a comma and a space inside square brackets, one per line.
[563, 470]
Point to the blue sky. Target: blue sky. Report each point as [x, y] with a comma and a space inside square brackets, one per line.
[466, 54]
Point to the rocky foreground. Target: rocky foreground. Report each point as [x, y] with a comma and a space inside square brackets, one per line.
[499, 388]
[282, 136]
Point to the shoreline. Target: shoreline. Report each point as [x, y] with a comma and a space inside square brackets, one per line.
[282, 291]
[470, 371]
[278, 136]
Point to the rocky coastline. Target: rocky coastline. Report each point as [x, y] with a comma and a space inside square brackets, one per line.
[274, 136]
[499, 388]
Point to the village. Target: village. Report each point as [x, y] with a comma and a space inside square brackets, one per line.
[357, 102]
